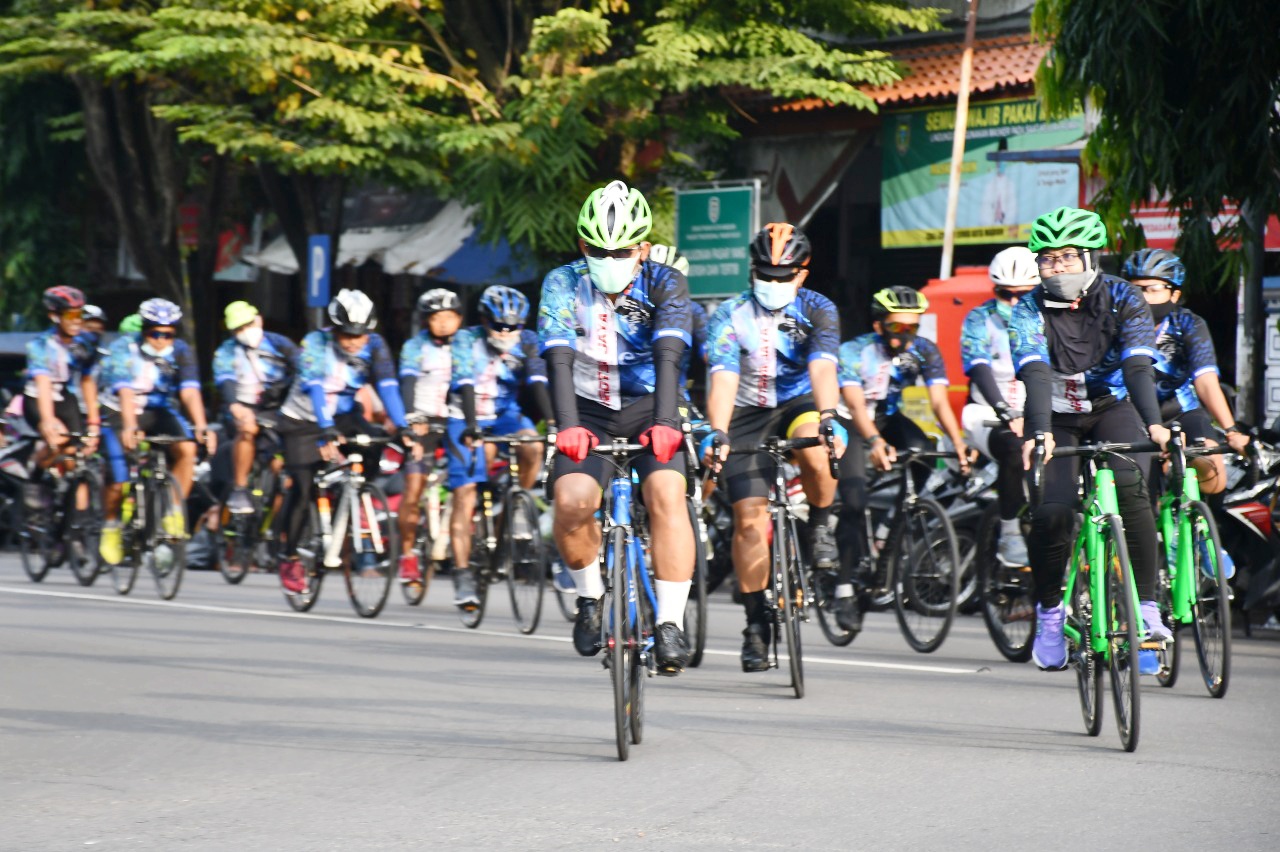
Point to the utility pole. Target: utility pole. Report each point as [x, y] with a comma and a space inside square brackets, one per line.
[957, 143]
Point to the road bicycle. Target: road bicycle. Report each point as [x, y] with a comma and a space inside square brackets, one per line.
[60, 518]
[153, 518]
[349, 526]
[431, 540]
[506, 541]
[918, 566]
[1192, 589]
[247, 539]
[1103, 620]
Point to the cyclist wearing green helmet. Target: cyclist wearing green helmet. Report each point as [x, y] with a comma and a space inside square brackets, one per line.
[1083, 343]
[613, 327]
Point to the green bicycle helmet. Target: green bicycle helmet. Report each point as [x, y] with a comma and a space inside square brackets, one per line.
[1068, 226]
[899, 299]
[131, 323]
[614, 217]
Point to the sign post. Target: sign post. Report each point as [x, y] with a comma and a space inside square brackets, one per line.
[714, 227]
[319, 263]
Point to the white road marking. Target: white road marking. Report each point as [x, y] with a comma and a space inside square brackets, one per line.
[373, 622]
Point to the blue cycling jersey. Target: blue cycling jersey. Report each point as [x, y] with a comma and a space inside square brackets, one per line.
[866, 362]
[430, 365]
[255, 374]
[154, 378]
[63, 363]
[698, 351]
[1132, 334]
[771, 350]
[613, 340]
[984, 340]
[496, 376]
[1184, 353]
[329, 378]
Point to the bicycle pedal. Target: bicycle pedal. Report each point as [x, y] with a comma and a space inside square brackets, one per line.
[1152, 646]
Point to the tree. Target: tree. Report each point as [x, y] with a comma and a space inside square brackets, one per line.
[1187, 94]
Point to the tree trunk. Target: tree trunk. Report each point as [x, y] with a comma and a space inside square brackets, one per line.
[1251, 348]
[206, 310]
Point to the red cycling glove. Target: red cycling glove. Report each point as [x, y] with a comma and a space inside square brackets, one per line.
[665, 440]
[575, 442]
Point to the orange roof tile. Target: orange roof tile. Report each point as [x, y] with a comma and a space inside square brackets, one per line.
[933, 71]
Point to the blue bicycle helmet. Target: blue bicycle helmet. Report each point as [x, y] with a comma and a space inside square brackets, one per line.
[1156, 263]
[159, 312]
[504, 305]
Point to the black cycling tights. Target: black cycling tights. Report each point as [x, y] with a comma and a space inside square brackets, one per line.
[1006, 448]
[899, 431]
[1053, 523]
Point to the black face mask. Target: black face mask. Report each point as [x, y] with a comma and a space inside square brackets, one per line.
[1159, 312]
[898, 342]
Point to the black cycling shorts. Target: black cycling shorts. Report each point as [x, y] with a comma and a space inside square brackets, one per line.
[66, 409]
[607, 424]
[751, 474]
[1196, 426]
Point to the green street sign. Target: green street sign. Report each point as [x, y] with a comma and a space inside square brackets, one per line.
[714, 226]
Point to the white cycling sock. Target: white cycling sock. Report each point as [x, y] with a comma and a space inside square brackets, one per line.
[672, 597]
[844, 590]
[588, 581]
[1011, 528]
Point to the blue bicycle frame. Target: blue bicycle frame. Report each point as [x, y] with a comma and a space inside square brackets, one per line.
[617, 513]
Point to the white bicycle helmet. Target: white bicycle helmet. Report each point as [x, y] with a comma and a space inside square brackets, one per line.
[351, 312]
[1014, 267]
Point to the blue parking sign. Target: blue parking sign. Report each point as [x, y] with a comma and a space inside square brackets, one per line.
[318, 263]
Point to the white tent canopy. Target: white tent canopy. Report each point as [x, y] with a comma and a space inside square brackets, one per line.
[412, 249]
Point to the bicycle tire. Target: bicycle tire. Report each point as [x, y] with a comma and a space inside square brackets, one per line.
[479, 566]
[1122, 634]
[967, 600]
[786, 570]
[1211, 621]
[167, 557]
[416, 592]
[1170, 653]
[1005, 594]
[695, 609]
[82, 528]
[235, 557]
[367, 571]
[33, 544]
[310, 552]
[616, 634]
[1082, 656]
[642, 631]
[124, 574]
[926, 576]
[526, 567]
[824, 582]
[566, 601]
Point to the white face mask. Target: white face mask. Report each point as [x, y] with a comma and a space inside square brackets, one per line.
[249, 336]
[774, 295]
[504, 342]
[153, 352]
[612, 275]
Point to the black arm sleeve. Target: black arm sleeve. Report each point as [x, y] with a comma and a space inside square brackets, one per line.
[407, 390]
[1140, 379]
[227, 390]
[667, 354]
[981, 375]
[1038, 377]
[468, 395]
[560, 373]
[542, 399]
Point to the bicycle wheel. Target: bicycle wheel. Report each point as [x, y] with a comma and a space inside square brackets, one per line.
[167, 558]
[640, 638]
[526, 566]
[790, 595]
[1122, 633]
[82, 528]
[34, 540]
[824, 581]
[311, 554]
[566, 598]
[235, 557]
[125, 573]
[926, 576]
[1170, 652]
[1004, 594]
[618, 631]
[374, 552]
[695, 609]
[480, 568]
[1082, 656]
[1211, 622]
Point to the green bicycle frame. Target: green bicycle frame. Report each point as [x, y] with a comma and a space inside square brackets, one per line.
[1178, 542]
[1089, 553]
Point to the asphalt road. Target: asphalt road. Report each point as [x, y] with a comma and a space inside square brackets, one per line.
[223, 722]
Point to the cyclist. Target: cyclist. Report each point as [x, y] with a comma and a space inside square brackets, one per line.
[426, 367]
[144, 374]
[1186, 367]
[996, 393]
[252, 370]
[490, 362]
[613, 327]
[772, 371]
[321, 408]
[94, 324]
[669, 256]
[1083, 344]
[58, 360]
[874, 368]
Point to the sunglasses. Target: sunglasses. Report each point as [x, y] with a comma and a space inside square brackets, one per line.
[777, 277]
[505, 327]
[160, 335]
[618, 254]
[1152, 288]
[72, 314]
[899, 327]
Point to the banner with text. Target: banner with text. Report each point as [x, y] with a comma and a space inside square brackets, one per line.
[998, 199]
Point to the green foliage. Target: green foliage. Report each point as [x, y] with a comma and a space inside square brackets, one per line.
[1187, 93]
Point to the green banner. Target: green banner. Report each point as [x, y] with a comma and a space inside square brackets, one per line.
[998, 199]
[713, 229]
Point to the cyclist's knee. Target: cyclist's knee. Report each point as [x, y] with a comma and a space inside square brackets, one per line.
[577, 497]
[1053, 521]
